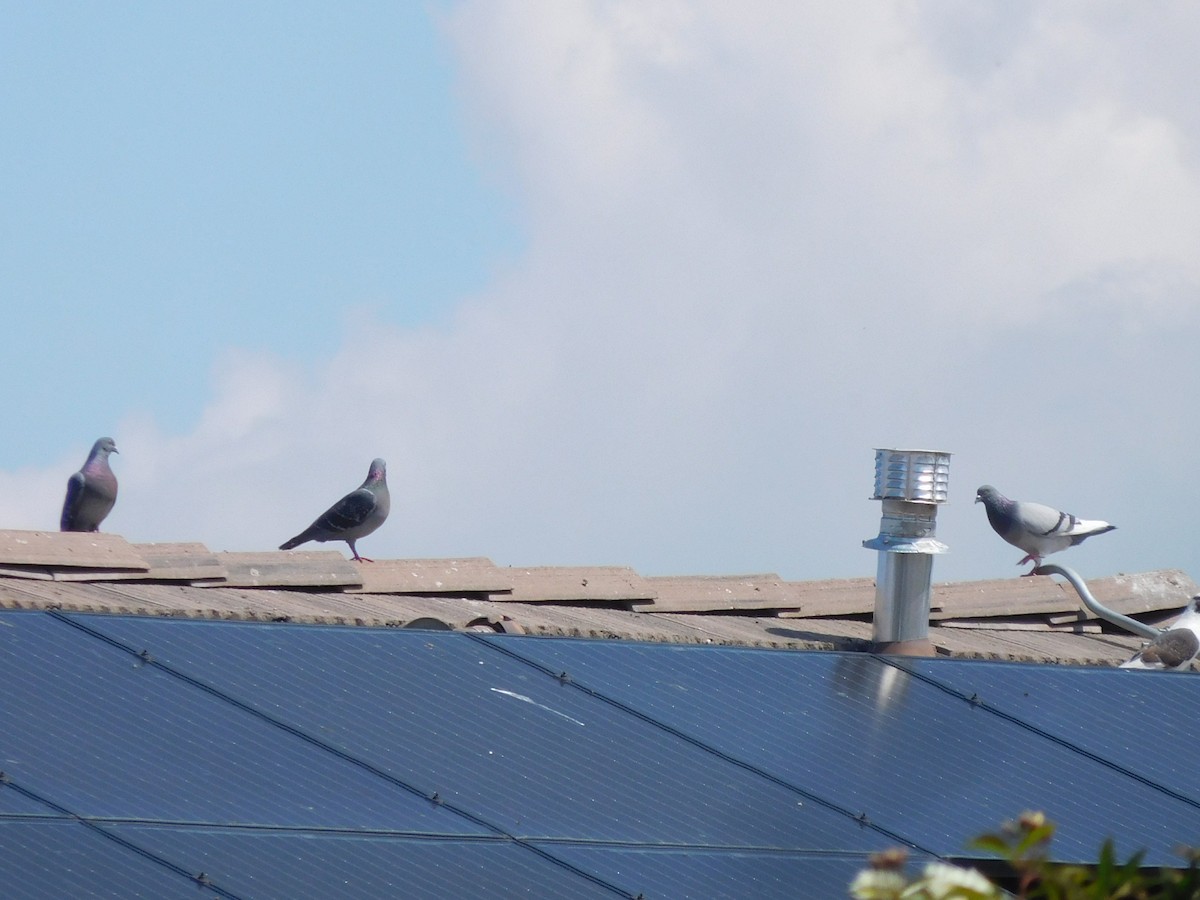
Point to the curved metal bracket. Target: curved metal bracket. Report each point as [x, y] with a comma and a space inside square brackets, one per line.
[1132, 625]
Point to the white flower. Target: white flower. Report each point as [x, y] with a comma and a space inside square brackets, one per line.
[877, 884]
[941, 881]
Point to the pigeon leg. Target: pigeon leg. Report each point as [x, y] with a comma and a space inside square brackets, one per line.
[357, 558]
[1037, 563]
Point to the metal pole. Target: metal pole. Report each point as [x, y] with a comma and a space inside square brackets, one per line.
[911, 484]
[1132, 625]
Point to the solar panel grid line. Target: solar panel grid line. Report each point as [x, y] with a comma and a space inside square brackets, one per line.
[668, 846]
[303, 830]
[424, 836]
[198, 879]
[565, 678]
[146, 658]
[582, 873]
[17, 817]
[976, 701]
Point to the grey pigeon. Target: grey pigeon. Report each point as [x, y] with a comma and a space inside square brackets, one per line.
[1036, 529]
[92, 491]
[1176, 647]
[354, 516]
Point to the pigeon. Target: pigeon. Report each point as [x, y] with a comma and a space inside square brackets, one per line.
[1176, 647]
[354, 516]
[92, 491]
[1036, 529]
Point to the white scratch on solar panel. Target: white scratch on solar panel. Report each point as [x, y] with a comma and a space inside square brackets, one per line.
[535, 703]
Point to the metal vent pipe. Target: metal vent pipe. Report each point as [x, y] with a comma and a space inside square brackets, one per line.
[911, 484]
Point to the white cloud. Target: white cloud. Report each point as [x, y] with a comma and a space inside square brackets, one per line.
[764, 239]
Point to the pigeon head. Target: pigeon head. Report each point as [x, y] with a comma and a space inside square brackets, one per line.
[105, 445]
[988, 496]
[378, 470]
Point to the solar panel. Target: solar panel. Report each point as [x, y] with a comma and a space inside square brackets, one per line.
[658, 872]
[1144, 722]
[14, 804]
[269, 864]
[285, 760]
[101, 733]
[490, 735]
[918, 761]
[68, 859]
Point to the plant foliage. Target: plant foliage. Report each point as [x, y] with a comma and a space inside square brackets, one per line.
[1024, 845]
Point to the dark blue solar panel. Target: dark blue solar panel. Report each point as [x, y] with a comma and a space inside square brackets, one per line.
[670, 770]
[667, 873]
[14, 803]
[97, 731]
[67, 859]
[918, 761]
[273, 865]
[491, 734]
[1145, 722]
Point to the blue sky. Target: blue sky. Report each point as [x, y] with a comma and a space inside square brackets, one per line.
[178, 180]
[606, 282]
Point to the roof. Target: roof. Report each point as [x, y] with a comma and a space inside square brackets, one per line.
[171, 729]
[1035, 619]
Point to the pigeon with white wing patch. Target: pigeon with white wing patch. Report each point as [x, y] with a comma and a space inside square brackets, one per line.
[354, 516]
[1038, 530]
[1176, 647]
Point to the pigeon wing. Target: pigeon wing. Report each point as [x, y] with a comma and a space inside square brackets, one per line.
[72, 501]
[1043, 521]
[348, 513]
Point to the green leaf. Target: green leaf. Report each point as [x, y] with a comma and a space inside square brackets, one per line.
[992, 843]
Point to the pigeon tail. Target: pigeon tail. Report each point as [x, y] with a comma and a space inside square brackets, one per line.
[1086, 529]
[302, 538]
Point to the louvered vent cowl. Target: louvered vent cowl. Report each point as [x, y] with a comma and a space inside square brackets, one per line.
[911, 484]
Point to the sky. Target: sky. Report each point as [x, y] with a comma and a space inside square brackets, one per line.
[634, 283]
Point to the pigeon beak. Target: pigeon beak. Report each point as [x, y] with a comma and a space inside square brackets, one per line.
[978, 499]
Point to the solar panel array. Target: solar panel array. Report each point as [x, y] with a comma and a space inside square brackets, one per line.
[161, 757]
